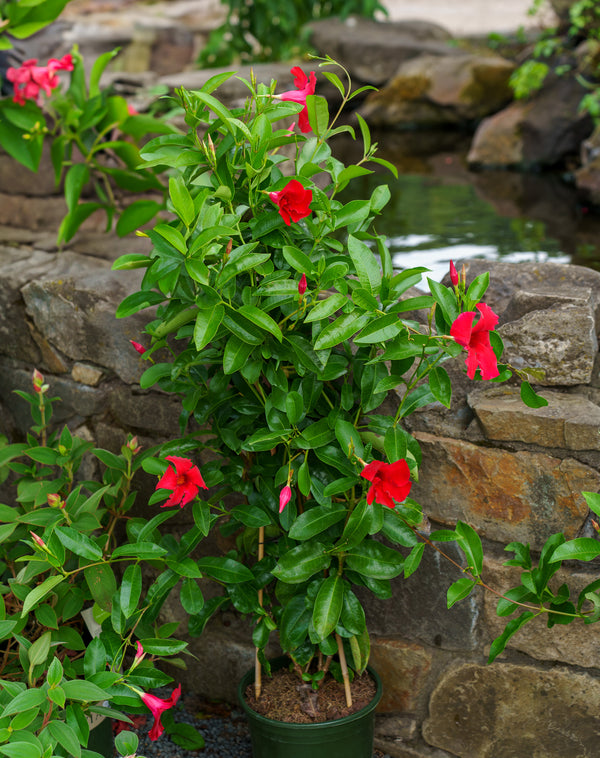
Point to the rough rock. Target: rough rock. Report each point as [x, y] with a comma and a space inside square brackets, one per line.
[403, 667]
[418, 607]
[559, 341]
[434, 90]
[569, 421]
[505, 496]
[372, 51]
[575, 643]
[75, 313]
[537, 132]
[514, 711]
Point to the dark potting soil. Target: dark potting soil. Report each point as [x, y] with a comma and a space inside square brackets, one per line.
[284, 697]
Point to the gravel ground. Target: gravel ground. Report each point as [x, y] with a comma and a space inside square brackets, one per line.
[225, 732]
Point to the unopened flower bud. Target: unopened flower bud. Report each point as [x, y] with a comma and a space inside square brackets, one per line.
[302, 285]
[38, 541]
[228, 248]
[38, 382]
[453, 274]
[137, 346]
[55, 501]
[284, 497]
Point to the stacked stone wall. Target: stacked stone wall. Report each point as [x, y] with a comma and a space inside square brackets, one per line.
[512, 472]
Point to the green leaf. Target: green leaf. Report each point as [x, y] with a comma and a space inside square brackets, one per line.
[65, 736]
[262, 320]
[191, 597]
[225, 569]
[328, 605]
[159, 646]
[325, 308]
[445, 299]
[341, 330]
[182, 200]
[294, 407]
[580, 549]
[413, 560]
[75, 178]
[372, 559]
[207, 325]
[440, 385]
[470, 542]
[78, 543]
[24, 701]
[318, 114]
[20, 749]
[381, 329]
[235, 354]
[349, 438]
[38, 652]
[302, 562]
[102, 584]
[40, 592]
[513, 626]
[365, 263]
[298, 260]
[358, 525]
[294, 623]
[593, 501]
[131, 589]
[459, 590]
[135, 215]
[316, 520]
[79, 689]
[530, 397]
[137, 301]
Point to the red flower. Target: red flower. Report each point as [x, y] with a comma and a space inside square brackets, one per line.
[184, 480]
[284, 497]
[389, 482]
[29, 78]
[476, 339]
[293, 201]
[304, 86]
[157, 705]
[139, 347]
[302, 285]
[453, 274]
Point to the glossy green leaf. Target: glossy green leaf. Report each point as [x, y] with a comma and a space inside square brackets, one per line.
[380, 329]
[341, 330]
[225, 569]
[579, 549]
[358, 525]
[511, 628]
[262, 320]
[294, 623]
[78, 543]
[530, 397]
[207, 325]
[459, 590]
[38, 593]
[302, 562]
[131, 589]
[365, 263]
[102, 584]
[440, 385]
[328, 605]
[316, 520]
[373, 559]
[65, 736]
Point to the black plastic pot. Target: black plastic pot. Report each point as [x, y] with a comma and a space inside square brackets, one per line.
[348, 737]
[101, 738]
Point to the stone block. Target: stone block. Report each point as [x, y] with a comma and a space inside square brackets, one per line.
[569, 421]
[148, 412]
[505, 496]
[514, 711]
[403, 668]
[418, 608]
[559, 341]
[75, 313]
[86, 374]
[576, 643]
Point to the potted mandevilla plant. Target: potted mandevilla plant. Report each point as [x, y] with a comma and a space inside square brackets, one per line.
[289, 329]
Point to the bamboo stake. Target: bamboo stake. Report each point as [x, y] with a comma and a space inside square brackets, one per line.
[344, 668]
[257, 667]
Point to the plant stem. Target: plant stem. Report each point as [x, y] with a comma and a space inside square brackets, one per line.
[344, 667]
[257, 667]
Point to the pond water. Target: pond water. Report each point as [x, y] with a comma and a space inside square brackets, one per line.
[439, 210]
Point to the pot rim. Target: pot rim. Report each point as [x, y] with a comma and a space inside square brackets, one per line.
[280, 662]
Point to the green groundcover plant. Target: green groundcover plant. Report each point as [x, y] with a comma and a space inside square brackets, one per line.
[275, 314]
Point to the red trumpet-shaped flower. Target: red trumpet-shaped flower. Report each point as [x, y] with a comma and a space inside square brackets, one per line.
[476, 340]
[293, 201]
[389, 482]
[157, 705]
[184, 479]
[305, 85]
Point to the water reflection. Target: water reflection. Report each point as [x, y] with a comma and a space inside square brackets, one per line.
[440, 210]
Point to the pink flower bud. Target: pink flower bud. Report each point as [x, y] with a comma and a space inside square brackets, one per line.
[284, 497]
[453, 274]
[55, 501]
[137, 346]
[133, 445]
[302, 285]
[38, 540]
[38, 380]
[139, 653]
